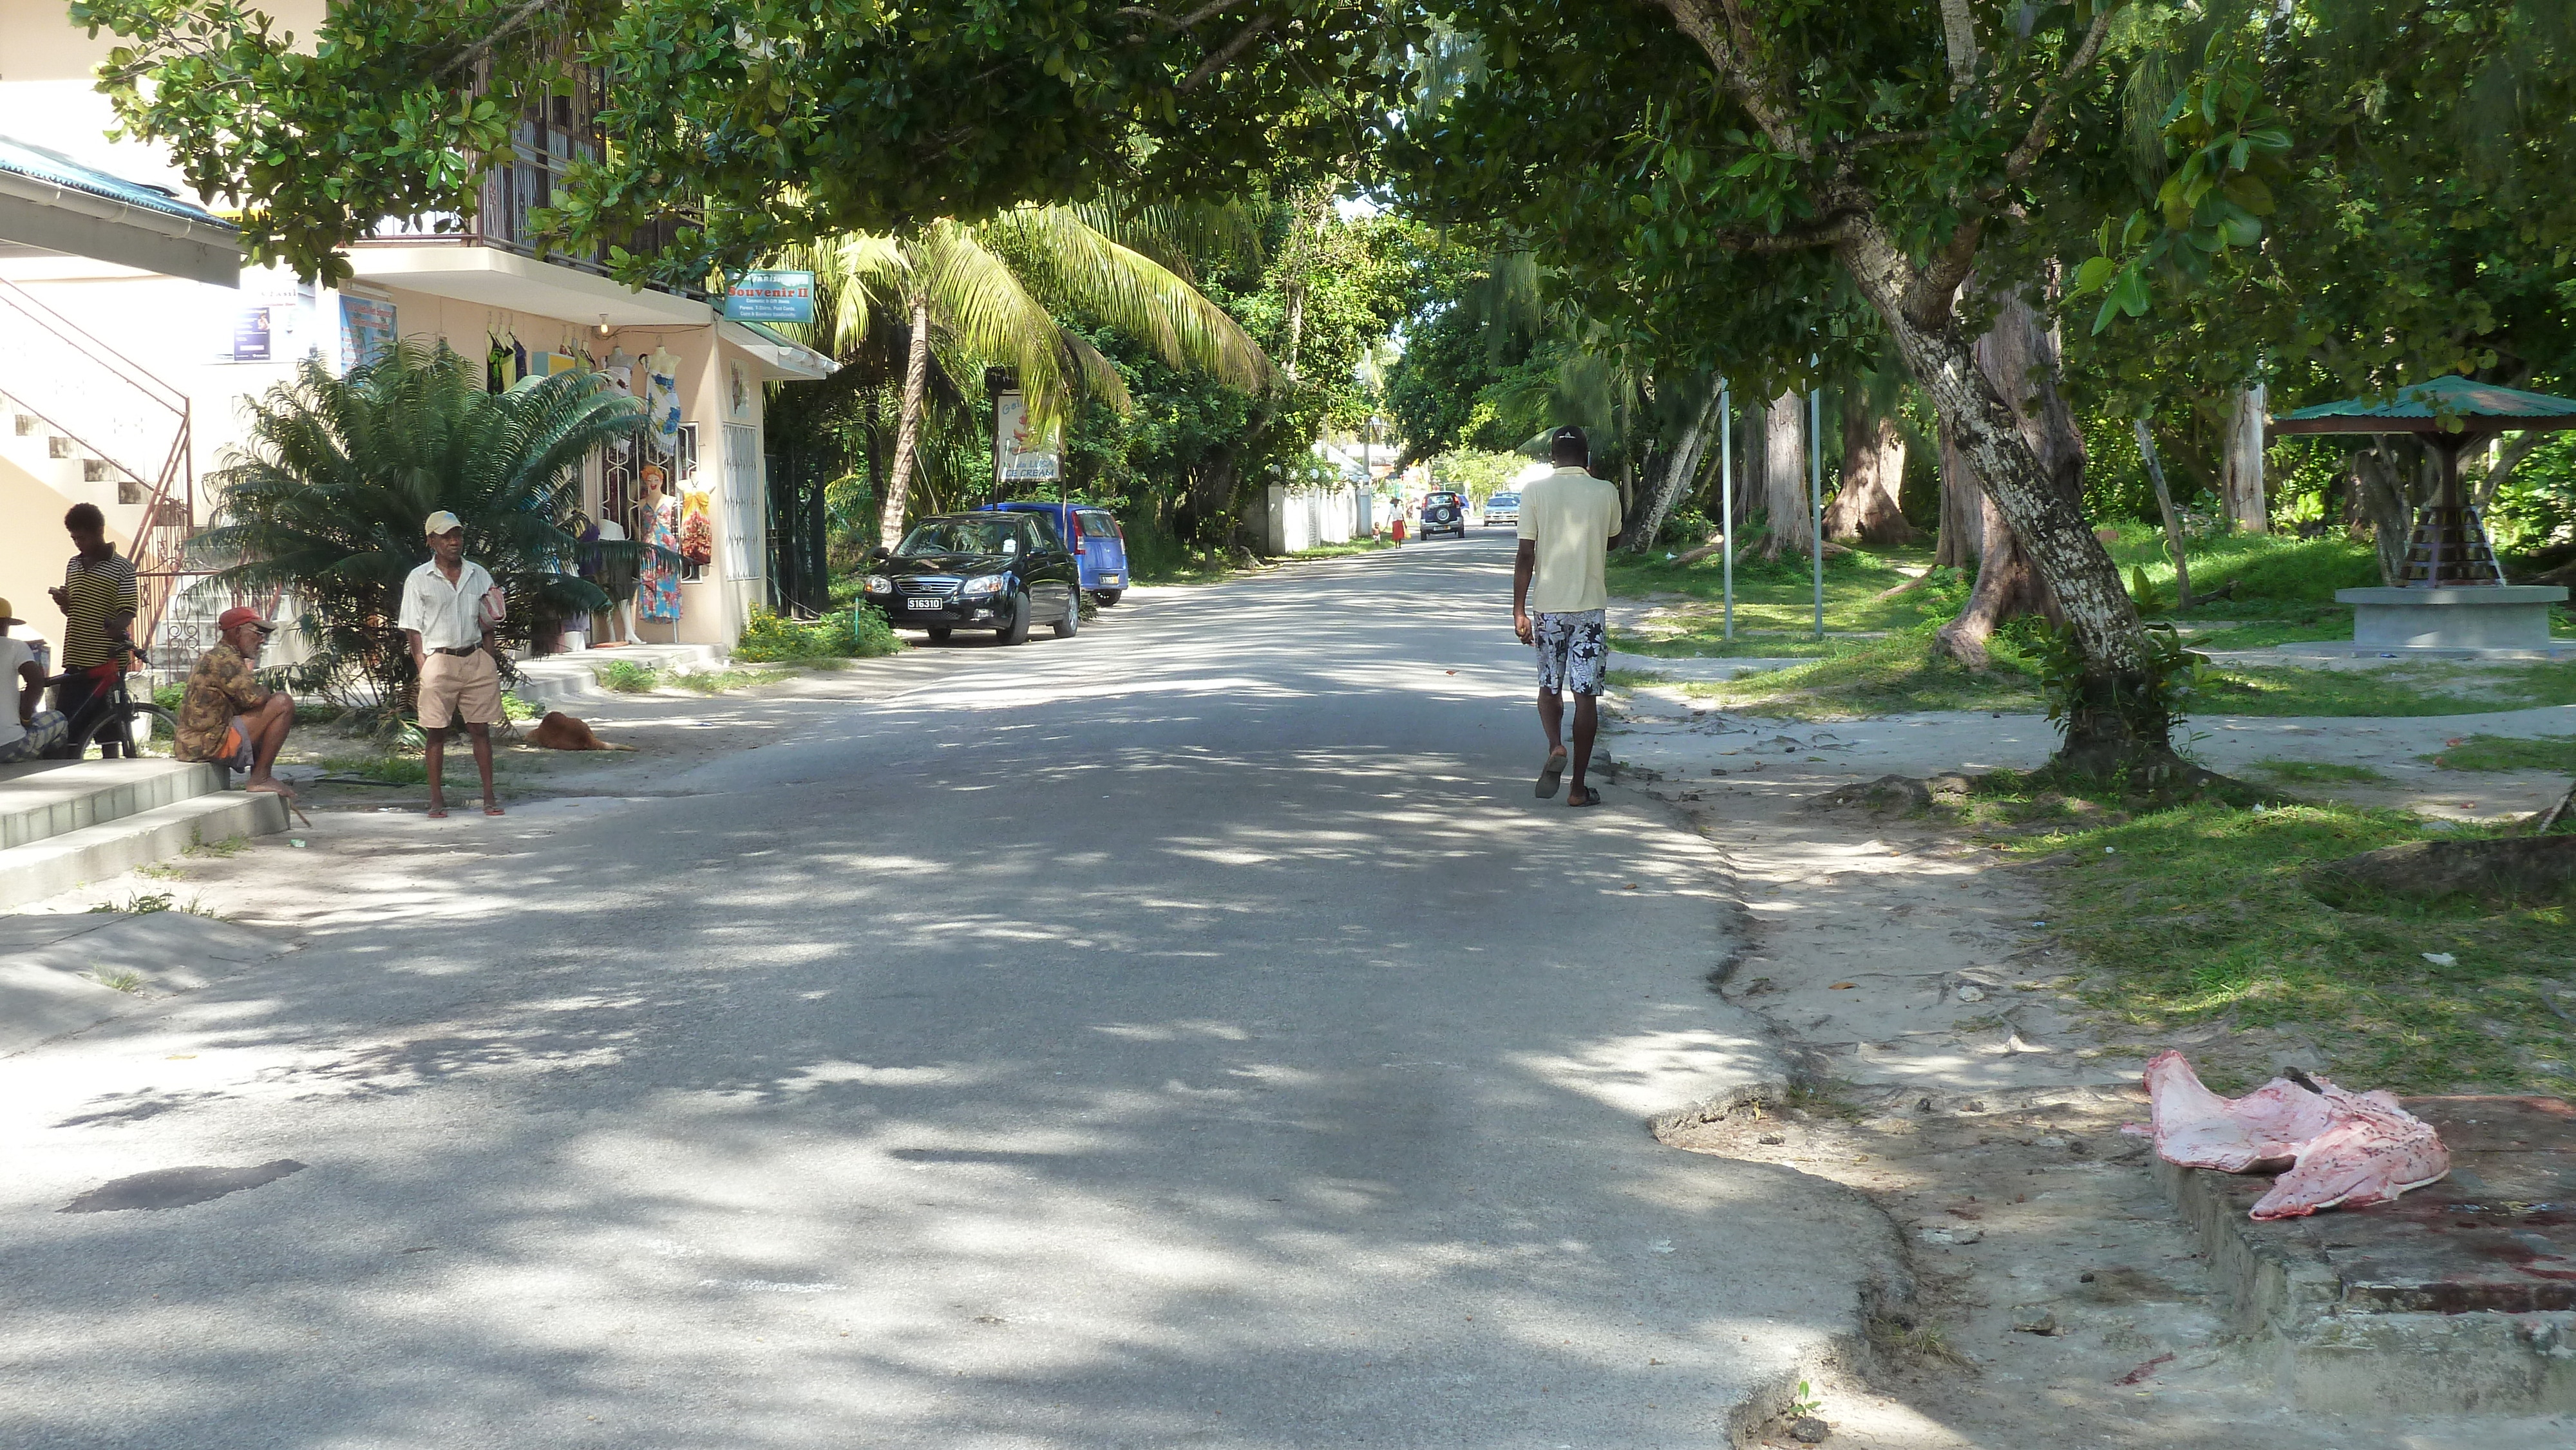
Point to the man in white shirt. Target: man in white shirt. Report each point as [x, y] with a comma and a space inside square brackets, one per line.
[26, 732]
[449, 606]
[1560, 602]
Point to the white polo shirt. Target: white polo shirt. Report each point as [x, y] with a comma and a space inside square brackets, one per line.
[446, 615]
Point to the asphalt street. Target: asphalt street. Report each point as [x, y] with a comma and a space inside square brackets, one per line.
[1189, 1034]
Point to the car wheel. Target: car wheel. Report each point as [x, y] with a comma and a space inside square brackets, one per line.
[1107, 597]
[1071, 624]
[1017, 631]
[937, 632]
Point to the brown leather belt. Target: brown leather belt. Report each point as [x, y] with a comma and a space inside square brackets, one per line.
[471, 649]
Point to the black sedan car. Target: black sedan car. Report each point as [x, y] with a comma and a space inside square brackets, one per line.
[996, 571]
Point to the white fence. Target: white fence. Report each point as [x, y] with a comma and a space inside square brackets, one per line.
[1304, 518]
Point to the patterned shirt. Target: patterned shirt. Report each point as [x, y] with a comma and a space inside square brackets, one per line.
[95, 593]
[220, 687]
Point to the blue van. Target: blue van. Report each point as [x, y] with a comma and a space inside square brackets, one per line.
[1096, 539]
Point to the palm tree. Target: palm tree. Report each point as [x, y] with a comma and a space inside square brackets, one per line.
[324, 500]
[982, 289]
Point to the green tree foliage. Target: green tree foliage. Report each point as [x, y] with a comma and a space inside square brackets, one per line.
[325, 497]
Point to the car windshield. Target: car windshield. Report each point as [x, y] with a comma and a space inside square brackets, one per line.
[1506, 500]
[963, 536]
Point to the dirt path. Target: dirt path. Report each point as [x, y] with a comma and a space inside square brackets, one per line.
[1949, 1074]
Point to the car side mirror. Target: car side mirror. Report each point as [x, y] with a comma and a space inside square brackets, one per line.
[879, 552]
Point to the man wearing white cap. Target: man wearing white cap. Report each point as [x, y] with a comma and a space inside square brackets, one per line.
[25, 732]
[449, 606]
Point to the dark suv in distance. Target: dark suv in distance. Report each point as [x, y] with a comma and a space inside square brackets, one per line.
[996, 571]
[1444, 512]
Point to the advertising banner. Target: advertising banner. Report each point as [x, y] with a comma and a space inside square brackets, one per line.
[1019, 457]
[770, 296]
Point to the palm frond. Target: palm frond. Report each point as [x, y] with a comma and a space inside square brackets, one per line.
[1135, 294]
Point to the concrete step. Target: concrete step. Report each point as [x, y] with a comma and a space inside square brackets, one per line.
[58, 863]
[47, 798]
[553, 680]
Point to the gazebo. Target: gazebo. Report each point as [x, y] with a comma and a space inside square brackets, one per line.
[2451, 593]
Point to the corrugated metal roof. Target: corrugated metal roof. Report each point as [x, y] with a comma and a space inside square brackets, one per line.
[2450, 397]
[44, 164]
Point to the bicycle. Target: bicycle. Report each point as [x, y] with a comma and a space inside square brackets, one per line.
[109, 717]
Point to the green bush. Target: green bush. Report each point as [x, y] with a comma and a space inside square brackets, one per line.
[857, 633]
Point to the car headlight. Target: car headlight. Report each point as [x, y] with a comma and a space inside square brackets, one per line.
[880, 584]
[986, 584]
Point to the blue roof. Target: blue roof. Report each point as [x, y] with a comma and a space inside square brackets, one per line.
[44, 164]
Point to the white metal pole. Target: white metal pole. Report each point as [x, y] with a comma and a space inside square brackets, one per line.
[1726, 493]
[1816, 496]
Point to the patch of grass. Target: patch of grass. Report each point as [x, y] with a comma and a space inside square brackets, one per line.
[225, 849]
[858, 632]
[1713, 644]
[157, 871]
[127, 980]
[1780, 595]
[2508, 752]
[2198, 917]
[2332, 622]
[140, 904]
[1341, 551]
[2317, 772]
[514, 708]
[2412, 687]
[626, 677]
[716, 682]
[1631, 679]
[387, 769]
[1881, 677]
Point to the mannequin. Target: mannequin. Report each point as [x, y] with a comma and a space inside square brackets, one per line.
[657, 588]
[617, 578]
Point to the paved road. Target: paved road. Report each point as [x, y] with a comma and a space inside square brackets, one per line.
[1191, 1034]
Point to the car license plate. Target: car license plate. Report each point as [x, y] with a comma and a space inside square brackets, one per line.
[918, 603]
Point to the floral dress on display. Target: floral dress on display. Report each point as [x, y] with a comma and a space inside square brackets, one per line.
[657, 587]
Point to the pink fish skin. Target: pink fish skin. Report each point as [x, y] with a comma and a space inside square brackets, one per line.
[2376, 1151]
[2199, 1129]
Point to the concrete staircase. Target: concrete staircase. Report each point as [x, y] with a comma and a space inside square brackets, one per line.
[552, 682]
[66, 822]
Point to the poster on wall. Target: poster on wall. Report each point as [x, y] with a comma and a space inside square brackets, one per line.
[366, 330]
[1018, 456]
[272, 318]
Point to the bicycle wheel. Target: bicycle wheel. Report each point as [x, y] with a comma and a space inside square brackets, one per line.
[159, 741]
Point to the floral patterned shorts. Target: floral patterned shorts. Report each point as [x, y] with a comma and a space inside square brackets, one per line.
[1573, 650]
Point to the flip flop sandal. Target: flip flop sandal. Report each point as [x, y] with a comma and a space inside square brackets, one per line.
[1582, 796]
[1548, 771]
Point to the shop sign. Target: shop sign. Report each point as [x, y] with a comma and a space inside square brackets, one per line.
[1018, 456]
[771, 296]
[366, 330]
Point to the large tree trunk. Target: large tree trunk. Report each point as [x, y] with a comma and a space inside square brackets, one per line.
[1865, 507]
[2019, 357]
[1963, 528]
[1784, 476]
[2118, 719]
[916, 377]
[2241, 476]
[1680, 472]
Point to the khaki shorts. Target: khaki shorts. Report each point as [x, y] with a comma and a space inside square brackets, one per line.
[459, 689]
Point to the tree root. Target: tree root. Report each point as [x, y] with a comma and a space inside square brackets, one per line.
[2513, 869]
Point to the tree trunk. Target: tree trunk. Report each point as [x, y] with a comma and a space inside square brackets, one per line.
[916, 376]
[1963, 530]
[2241, 475]
[1681, 471]
[2117, 718]
[2502, 459]
[2379, 478]
[1865, 507]
[2019, 357]
[2165, 506]
[1784, 475]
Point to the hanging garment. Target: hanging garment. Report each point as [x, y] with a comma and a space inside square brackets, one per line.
[657, 587]
[496, 368]
[620, 368]
[662, 392]
[518, 360]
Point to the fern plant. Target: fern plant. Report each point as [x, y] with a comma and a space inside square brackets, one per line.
[324, 500]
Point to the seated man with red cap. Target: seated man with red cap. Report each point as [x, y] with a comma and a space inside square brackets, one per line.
[227, 717]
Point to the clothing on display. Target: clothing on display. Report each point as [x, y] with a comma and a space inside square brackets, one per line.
[657, 589]
[662, 392]
[620, 369]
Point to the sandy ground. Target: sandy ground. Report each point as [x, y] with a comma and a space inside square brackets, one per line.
[1909, 972]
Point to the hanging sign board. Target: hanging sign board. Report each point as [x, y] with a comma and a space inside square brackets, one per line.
[771, 296]
[1019, 457]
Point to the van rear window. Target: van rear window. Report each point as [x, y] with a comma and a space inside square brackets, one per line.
[1097, 525]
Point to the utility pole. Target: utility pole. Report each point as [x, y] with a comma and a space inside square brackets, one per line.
[1816, 495]
[1726, 492]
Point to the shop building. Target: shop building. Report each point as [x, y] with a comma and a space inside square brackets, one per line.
[168, 342]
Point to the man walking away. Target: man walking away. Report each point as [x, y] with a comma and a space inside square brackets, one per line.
[98, 600]
[448, 608]
[1560, 601]
[226, 716]
[26, 732]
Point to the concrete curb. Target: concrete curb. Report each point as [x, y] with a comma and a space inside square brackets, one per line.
[57, 864]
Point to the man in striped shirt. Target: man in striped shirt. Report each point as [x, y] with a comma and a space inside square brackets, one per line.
[98, 601]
